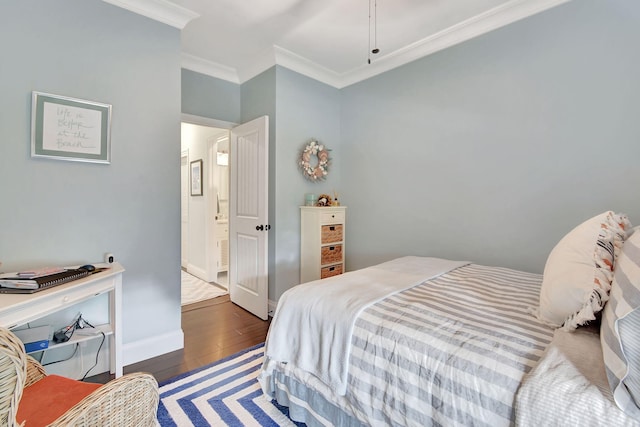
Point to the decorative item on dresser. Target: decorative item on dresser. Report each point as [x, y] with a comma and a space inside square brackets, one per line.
[322, 242]
[324, 200]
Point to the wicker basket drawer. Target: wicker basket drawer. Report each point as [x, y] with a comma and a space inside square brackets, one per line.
[332, 270]
[330, 254]
[331, 233]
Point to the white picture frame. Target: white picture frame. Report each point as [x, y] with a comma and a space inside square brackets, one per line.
[65, 128]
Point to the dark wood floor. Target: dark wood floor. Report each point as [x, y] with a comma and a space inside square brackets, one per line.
[213, 329]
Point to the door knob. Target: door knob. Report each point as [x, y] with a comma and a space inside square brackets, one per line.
[259, 228]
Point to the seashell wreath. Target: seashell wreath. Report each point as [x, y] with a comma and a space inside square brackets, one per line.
[316, 171]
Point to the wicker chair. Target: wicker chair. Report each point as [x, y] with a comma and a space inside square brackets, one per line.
[131, 400]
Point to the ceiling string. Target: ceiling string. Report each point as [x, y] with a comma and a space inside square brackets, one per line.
[369, 48]
[375, 27]
[375, 49]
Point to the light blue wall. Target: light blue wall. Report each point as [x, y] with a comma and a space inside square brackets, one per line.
[488, 151]
[258, 98]
[57, 212]
[491, 150]
[207, 96]
[305, 109]
[299, 108]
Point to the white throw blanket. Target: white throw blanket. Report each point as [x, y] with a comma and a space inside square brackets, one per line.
[313, 323]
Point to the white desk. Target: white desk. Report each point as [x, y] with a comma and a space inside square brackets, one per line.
[19, 309]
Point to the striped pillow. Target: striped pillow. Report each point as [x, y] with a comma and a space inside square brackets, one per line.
[619, 330]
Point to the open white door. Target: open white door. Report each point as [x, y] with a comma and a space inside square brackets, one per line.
[248, 216]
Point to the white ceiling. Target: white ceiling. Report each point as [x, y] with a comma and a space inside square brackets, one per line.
[325, 39]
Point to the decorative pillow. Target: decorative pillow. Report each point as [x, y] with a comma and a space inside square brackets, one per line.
[579, 270]
[49, 398]
[619, 330]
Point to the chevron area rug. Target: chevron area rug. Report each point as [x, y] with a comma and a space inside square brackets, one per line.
[225, 393]
[194, 289]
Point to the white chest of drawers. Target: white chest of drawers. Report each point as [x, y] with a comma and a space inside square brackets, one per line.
[322, 242]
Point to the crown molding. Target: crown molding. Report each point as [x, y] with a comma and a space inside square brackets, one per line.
[257, 64]
[490, 20]
[210, 68]
[304, 66]
[475, 26]
[159, 10]
[280, 56]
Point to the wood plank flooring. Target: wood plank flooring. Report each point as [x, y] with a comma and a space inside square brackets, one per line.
[213, 329]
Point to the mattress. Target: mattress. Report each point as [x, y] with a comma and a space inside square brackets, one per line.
[450, 351]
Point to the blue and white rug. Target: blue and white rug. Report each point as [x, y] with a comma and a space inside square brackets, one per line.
[194, 289]
[225, 393]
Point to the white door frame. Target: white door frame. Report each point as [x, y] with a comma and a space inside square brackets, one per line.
[208, 271]
[204, 121]
[184, 205]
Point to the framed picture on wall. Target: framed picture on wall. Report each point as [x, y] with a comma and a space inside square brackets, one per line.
[196, 177]
[67, 128]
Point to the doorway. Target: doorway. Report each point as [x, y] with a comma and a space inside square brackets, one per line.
[243, 175]
[204, 210]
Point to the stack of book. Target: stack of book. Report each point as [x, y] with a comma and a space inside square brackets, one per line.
[25, 282]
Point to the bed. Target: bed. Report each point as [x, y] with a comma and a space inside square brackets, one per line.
[421, 341]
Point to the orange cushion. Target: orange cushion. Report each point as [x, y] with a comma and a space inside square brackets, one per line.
[46, 400]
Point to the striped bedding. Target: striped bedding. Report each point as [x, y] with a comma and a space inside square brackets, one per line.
[450, 351]
[571, 366]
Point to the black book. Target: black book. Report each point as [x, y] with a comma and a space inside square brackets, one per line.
[22, 285]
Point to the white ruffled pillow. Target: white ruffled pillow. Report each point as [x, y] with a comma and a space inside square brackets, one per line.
[579, 270]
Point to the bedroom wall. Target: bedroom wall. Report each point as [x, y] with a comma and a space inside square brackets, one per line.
[58, 212]
[490, 151]
[207, 96]
[257, 99]
[305, 109]
[299, 108]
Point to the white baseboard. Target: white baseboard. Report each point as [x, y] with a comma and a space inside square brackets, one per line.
[200, 273]
[152, 347]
